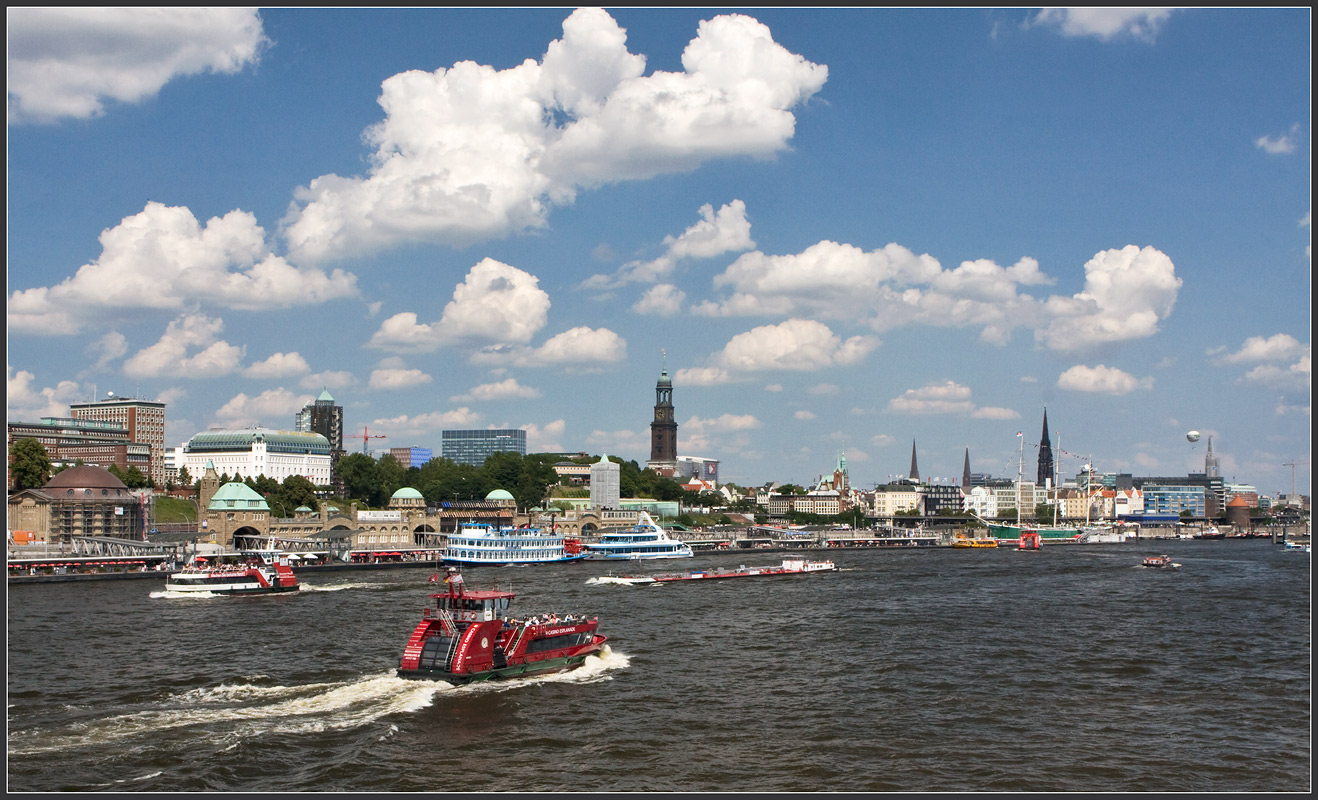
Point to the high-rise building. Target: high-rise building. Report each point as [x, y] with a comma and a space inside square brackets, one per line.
[323, 416]
[1212, 465]
[411, 456]
[663, 430]
[1046, 474]
[144, 419]
[605, 484]
[473, 447]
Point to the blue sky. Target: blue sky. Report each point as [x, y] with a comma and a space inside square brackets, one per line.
[841, 230]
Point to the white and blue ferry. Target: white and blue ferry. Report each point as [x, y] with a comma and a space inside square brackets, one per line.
[645, 540]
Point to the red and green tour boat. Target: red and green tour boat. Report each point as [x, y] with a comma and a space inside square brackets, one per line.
[467, 636]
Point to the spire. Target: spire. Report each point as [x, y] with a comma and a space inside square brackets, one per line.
[915, 470]
[965, 472]
[1045, 454]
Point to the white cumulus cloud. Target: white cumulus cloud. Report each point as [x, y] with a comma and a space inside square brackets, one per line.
[495, 302]
[797, 344]
[1281, 145]
[24, 402]
[273, 408]
[727, 231]
[278, 365]
[164, 259]
[470, 152]
[190, 347]
[1127, 292]
[508, 388]
[581, 347]
[1101, 379]
[1105, 23]
[69, 62]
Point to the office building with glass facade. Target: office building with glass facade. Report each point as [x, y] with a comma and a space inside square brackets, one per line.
[473, 447]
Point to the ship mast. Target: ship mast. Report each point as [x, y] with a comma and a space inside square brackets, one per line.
[1059, 455]
[1020, 477]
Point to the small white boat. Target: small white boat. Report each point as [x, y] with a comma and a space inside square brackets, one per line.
[1160, 562]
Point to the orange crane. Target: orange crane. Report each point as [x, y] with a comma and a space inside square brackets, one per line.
[366, 435]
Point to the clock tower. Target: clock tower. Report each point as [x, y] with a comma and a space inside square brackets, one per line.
[663, 430]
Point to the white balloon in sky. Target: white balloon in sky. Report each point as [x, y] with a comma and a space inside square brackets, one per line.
[1192, 436]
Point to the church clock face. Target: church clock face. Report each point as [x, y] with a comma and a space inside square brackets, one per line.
[661, 413]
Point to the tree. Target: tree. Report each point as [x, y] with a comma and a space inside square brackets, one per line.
[360, 476]
[184, 477]
[134, 479]
[29, 464]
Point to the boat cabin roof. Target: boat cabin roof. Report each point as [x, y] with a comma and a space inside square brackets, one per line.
[475, 594]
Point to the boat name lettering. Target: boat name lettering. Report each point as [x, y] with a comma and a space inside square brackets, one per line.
[556, 631]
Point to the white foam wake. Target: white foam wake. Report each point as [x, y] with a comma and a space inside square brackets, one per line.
[244, 710]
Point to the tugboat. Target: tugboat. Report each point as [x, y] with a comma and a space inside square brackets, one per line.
[467, 636]
[257, 572]
[1029, 540]
[1160, 562]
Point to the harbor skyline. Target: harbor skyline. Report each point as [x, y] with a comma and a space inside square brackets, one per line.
[841, 231]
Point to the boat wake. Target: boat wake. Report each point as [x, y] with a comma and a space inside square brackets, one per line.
[609, 579]
[243, 710]
[309, 587]
[167, 594]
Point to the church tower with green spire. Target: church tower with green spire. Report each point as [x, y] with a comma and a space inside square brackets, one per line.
[663, 429]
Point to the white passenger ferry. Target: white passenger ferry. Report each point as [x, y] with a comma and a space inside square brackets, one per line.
[476, 543]
[645, 540]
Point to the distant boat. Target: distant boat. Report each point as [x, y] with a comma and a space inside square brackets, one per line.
[790, 566]
[1160, 562]
[476, 543]
[643, 541]
[1029, 540]
[256, 572]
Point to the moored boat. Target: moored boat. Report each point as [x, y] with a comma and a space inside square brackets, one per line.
[467, 636]
[790, 566]
[643, 541]
[254, 572]
[964, 541]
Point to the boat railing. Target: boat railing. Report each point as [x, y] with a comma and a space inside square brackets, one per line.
[517, 638]
[445, 620]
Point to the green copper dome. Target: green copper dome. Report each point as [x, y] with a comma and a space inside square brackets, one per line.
[237, 496]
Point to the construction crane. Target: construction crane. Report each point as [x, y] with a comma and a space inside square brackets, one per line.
[366, 435]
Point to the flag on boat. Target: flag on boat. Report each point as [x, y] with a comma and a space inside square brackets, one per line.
[1020, 433]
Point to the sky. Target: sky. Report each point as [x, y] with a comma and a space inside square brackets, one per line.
[841, 231]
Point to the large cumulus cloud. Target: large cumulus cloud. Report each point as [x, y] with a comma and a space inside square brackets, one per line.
[470, 152]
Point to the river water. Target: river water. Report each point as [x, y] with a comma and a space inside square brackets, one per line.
[1068, 669]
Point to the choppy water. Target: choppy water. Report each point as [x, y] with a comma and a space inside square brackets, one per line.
[1070, 669]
